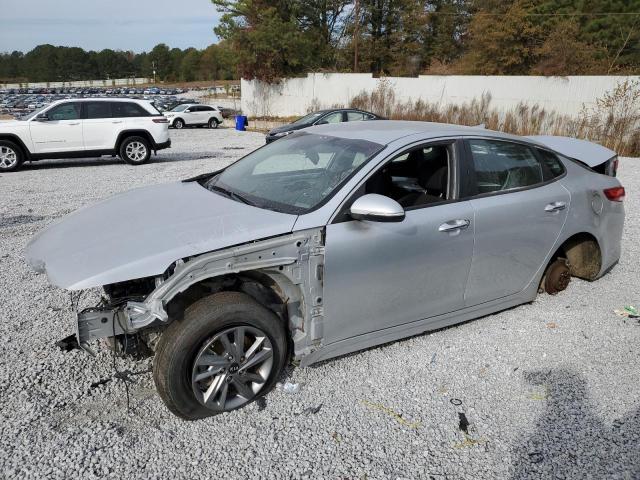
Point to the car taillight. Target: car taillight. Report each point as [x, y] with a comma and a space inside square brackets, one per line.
[615, 194]
[160, 120]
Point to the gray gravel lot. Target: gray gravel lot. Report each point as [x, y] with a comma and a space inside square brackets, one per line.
[549, 389]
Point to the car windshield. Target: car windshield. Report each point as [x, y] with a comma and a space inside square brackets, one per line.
[179, 108]
[310, 118]
[295, 174]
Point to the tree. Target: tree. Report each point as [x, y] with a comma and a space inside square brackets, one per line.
[503, 40]
[266, 37]
[189, 68]
[160, 59]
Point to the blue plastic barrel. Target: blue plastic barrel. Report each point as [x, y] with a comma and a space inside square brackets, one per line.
[241, 122]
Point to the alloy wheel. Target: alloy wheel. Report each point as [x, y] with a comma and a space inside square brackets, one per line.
[136, 151]
[8, 158]
[232, 367]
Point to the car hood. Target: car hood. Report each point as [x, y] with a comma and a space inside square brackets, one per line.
[10, 123]
[286, 128]
[140, 233]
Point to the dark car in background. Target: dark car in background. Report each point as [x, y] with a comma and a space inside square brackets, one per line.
[321, 117]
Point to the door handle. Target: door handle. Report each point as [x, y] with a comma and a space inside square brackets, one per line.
[74, 123]
[555, 207]
[117, 121]
[454, 225]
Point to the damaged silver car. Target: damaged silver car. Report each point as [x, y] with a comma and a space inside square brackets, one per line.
[333, 239]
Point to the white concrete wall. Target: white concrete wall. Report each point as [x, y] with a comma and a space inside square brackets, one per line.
[114, 82]
[296, 96]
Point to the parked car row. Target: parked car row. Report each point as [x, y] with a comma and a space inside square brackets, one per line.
[19, 104]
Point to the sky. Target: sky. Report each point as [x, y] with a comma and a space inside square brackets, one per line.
[136, 25]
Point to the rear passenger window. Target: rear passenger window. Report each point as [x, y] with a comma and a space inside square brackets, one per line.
[122, 109]
[553, 165]
[503, 166]
[98, 110]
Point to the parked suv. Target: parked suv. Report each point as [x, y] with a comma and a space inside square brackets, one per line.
[194, 114]
[85, 128]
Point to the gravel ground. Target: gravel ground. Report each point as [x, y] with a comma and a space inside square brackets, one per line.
[549, 389]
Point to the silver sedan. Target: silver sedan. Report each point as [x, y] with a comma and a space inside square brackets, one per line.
[333, 239]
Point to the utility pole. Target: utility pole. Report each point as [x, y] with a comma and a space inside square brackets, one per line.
[356, 36]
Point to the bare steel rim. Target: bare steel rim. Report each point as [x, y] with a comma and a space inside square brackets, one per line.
[232, 368]
[136, 151]
[8, 157]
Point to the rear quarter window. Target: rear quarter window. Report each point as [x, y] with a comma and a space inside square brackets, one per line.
[553, 167]
[123, 109]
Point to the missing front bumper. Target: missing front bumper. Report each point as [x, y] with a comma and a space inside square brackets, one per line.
[97, 323]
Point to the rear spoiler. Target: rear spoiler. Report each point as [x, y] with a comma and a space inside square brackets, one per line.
[595, 156]
[589, 153]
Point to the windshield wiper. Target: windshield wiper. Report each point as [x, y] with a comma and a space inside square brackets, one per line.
[231, 194]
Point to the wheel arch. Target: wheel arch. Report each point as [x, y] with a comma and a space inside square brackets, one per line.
[270, 289]
[122, 136]
[584, 253]
[18, 141]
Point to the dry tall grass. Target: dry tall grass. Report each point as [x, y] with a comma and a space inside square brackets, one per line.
[613, 122]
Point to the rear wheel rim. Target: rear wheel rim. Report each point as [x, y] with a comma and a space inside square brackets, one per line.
[8, 157]
[136, 151]
[213, 123]
[232, 368]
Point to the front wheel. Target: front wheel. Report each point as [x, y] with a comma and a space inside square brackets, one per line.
[213, 123]
[179, 124]
[135, 150]
[10, 156]
[226, 352]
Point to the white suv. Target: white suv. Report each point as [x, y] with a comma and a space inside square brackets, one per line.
[194, 114]
[85, 128]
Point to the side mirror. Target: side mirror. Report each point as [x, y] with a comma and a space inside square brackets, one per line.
[188, 110]
[42, 117]
[322, 122]
[377, 208]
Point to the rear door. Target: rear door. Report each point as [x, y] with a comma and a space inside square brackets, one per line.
[99, 128]
[61, 132]
[519, 209]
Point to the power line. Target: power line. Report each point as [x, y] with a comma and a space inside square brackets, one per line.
[495, 14]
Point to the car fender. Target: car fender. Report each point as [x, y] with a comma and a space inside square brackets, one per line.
[294, 262]
[12, 137]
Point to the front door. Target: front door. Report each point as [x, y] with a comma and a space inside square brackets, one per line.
[519, 213]
[381, 275]
[61, 132]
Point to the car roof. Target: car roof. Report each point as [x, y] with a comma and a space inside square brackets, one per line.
[101, 99]
[387, 131]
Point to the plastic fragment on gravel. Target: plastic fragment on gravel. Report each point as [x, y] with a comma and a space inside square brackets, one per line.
[392, 413]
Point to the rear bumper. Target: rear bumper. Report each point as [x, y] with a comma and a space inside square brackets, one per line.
[163, 145]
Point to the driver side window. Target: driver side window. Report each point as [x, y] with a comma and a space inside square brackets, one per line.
[332, 118]
[66, 111]
[415, 178]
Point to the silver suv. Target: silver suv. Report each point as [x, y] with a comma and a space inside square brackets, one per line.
[81, 128]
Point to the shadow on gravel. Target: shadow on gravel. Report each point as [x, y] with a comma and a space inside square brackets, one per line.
[105, 161]
[571, 441]
[67, 163]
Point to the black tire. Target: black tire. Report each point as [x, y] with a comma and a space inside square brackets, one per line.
[11, 156]
[213, 123]
[178, 123]
[183, 341]
[135, 150]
